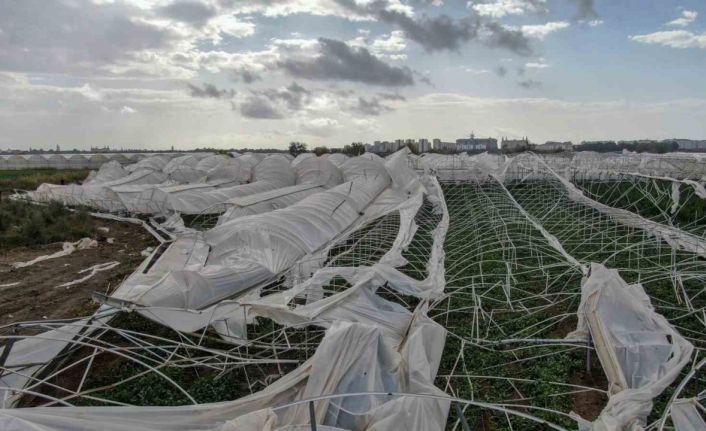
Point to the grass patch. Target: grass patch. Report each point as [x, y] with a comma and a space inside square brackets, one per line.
[30, 179]
[24, 224]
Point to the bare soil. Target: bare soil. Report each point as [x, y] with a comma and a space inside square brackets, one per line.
[37, 296]
[589, 404]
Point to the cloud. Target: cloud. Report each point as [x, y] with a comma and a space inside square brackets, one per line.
[247, 76]
[390, 46]
[680, 39]
[687, 17]
[436, 33]
[209, 91]
[586, 10]
[126, 110]
[293, 96]
[194, 13]
[391, 96]
[371, 106]
[501, 71]
[259, 107]
[319, 126]
[595, 22]
[497, 35]
[474, 71]
[543, 30]
[529, 84]
[82, 35]
[541, 64]
[338, 61]
[502, 8]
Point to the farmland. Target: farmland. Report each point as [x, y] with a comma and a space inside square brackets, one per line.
[500, 265]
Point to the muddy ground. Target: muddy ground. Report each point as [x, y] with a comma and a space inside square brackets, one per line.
[37, 296]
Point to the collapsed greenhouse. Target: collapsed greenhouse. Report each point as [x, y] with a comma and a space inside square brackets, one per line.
[413, 292]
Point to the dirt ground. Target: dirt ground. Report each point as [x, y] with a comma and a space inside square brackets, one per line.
[589, 404]
[37, 296]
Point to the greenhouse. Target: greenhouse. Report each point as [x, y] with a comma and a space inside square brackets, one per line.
[433, 292]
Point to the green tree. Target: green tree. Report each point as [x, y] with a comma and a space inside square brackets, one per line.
[296, 148]
[354, 149]
[321, 150]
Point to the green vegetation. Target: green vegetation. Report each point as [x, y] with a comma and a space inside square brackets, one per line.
[30, 179]
[25, 224]
[652, 199]
[296, 148]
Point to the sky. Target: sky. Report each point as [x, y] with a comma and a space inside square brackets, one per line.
[154, 74]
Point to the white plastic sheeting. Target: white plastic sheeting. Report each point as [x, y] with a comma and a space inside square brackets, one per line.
[104, 196]
[376, 345]
[318, 171]
[271, 173]
[66, 249]
[686, 415]
[267, 201]
[640, 352]
[366, 360]
[251, 250]
[110, 171]
[234, 171]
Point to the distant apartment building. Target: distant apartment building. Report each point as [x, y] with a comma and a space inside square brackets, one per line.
[423, 145]
[444, 147]
[476, 144]
[514, 145]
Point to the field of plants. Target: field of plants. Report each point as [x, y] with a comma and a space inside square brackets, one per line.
[518, 252]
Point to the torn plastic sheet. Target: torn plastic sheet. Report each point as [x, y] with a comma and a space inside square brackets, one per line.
[406, 364]
[687, 414]
[230, 317]
[66, 249]
[28, 355]
[356, 304]
[252, 249]
[350, 358]
[267, 201]
[640, 352]
[92, 270]
[110, 171]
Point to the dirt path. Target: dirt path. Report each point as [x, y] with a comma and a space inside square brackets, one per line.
[37, 296]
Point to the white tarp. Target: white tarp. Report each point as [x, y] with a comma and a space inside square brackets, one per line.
[640, 352]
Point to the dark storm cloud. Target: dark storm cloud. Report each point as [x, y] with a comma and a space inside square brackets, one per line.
[370, 106]
[294, 96]
[391, 96]
[246, 76]
[52, 36]
[338, 61]
[209, 91]
[433, 33]
[259, 107]
[443, 33]
[586, 9]
[499, 36]
[191, 12]
[529, 84]
[274, 103]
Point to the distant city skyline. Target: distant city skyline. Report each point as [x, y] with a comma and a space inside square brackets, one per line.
[235, 73]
